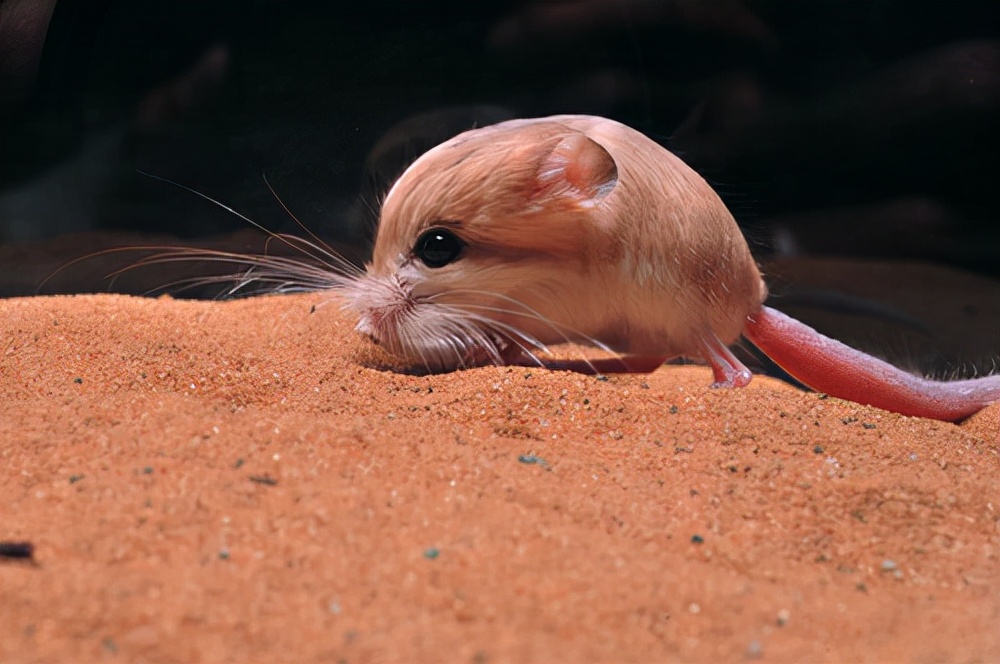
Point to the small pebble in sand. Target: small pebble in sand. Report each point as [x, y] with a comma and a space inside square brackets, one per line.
[265, 479]
[532, 459]
[17, 550]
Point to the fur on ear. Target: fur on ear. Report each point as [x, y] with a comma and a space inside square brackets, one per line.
[578, 170]
[519, 187]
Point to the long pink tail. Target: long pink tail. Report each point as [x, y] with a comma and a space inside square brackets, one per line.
[829, 366]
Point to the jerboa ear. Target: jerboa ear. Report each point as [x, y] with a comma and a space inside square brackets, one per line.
[569, 176]
[577, 173]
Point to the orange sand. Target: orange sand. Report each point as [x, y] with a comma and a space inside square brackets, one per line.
[216, 482]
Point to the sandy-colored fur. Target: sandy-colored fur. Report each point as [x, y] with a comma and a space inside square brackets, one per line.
[596, 228]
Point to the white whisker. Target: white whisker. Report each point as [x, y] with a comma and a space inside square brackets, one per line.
[523, 340]
[278, 236]
[568, 334]
[317, 244]
[286, 274]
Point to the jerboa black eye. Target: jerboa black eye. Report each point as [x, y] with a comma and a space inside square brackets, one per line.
[437, 247]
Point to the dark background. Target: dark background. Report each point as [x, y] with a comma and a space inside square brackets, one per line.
[857, 129]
